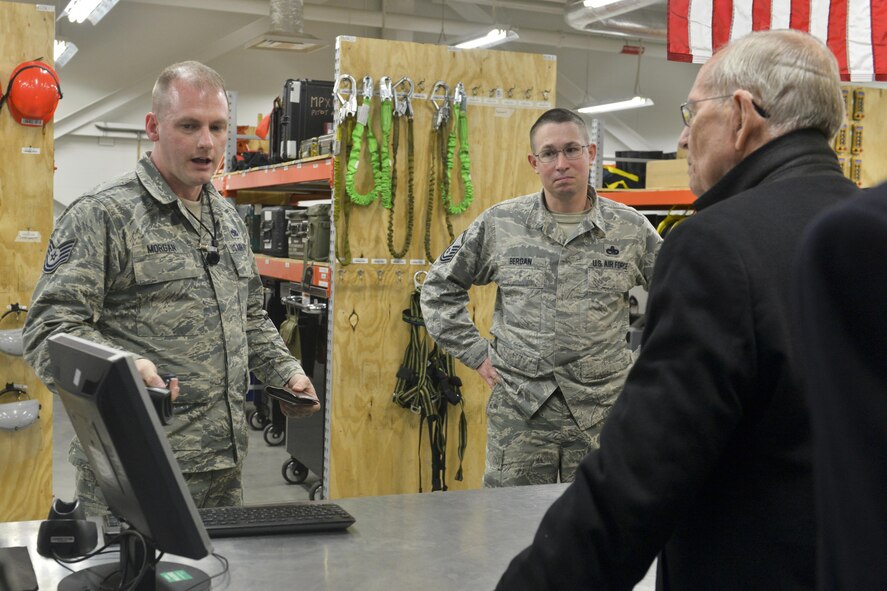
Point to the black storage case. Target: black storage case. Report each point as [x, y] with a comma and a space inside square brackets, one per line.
[306, 110]
[274, 238]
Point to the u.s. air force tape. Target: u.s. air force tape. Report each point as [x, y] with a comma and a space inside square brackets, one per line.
[57, 255]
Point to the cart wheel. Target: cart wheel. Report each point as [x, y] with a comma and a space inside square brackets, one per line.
[273, 435]
[294, 471]
[315, 493]
[256, 421]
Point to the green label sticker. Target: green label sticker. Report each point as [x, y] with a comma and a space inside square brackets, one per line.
[174, 576]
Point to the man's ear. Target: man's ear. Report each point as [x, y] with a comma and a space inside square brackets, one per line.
[151, 127]
[751, 129]
[532, 160]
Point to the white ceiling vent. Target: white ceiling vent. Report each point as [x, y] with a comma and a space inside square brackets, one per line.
[286, 32]
[625, 18]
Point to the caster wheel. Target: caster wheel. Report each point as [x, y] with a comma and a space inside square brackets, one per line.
[315, 493]
[294, 471]
[273, 436]
[256, 421]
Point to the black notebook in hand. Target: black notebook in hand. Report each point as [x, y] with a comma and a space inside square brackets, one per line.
[284, 394]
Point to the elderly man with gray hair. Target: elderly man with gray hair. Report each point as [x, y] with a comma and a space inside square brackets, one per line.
[705, 459]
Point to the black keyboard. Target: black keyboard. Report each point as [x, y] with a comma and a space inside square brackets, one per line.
[223, 522]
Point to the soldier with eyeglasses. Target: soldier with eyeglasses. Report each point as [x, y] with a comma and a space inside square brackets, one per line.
[563, 259]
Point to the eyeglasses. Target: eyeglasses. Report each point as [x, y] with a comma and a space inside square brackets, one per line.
[687, 114]
[571, 152]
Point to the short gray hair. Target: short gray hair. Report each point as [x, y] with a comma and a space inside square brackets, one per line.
[194, 73]
[792, 75]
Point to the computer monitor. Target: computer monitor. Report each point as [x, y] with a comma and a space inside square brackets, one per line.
[127, 449]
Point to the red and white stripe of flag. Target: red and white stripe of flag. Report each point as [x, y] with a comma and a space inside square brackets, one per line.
[855, 30]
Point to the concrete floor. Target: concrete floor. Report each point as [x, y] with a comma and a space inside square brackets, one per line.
[262, 477]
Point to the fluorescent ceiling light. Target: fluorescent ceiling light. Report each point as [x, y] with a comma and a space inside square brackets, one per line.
[598, 3]
[286, 42]
[63, 51]
[494, 37]
[632, 103]
[78, 11]
[109, 126]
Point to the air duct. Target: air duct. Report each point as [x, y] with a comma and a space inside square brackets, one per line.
[286, 34]
[623, 18]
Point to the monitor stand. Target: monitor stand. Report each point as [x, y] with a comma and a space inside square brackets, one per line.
[160, 576]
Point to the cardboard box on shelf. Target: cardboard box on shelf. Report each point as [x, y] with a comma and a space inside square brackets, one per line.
[667, 174]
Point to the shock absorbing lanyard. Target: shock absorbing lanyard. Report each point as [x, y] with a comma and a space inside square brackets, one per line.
[440, 100]
[364, 124]
[403, 107]
[378, 151]
[460, 127]
[345, 117]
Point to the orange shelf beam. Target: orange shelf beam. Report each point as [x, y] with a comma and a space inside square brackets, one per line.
[651, 197]
[287, 177]
[291, 270]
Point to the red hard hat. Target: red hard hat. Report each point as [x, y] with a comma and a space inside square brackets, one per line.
[33, 93]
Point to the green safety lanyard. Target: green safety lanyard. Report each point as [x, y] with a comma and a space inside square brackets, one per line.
[403, 107]
[460, 127]
[345, 122]
[378, 151]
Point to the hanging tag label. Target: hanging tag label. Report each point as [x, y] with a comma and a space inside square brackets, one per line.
[27, 236]
[31, 149]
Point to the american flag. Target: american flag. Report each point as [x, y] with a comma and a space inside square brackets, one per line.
[855, 30]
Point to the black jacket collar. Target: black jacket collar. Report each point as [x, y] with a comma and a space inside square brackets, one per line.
[798, 153]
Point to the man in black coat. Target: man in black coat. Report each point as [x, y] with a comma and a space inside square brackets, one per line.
[843, 341]
[705, 459]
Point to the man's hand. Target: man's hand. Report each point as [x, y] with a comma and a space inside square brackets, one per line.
[149, 374]
[300, 383]
[488, 372]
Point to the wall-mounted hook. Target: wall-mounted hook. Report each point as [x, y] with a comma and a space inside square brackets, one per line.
[379, 274]
[510, 92]
[545, 94]
[475, 90]
[399, 275]
[493, 92]
[417, 284]
[420, 85]
[528, 93]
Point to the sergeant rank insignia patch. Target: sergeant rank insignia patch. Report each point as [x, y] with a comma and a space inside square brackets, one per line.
[56, 256]
[452, 249]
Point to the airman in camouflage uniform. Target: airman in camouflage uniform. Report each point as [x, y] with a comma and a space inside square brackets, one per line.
[128, 265]
[564, 260]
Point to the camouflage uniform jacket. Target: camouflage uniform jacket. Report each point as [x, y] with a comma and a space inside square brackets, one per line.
[123, 268]
[561, 311]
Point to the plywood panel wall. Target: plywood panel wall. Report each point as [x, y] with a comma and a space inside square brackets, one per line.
[373, 442]
[26, 169]
[864, 162]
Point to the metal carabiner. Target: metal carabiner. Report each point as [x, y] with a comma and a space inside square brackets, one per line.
[403, 101]
[460, 99]
[417, 285]
[367, 89]
[443, 109]
[386, 93]
[347, 107]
